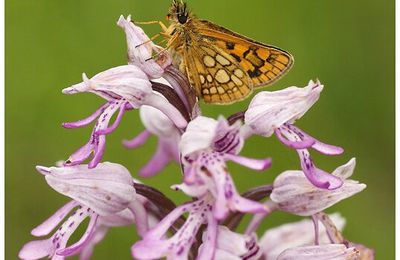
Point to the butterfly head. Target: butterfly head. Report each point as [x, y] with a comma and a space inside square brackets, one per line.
[178, 12]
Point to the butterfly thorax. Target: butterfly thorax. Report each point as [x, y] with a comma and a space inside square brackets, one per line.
[182, 31]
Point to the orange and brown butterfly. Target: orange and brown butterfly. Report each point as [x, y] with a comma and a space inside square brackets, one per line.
[221, 65]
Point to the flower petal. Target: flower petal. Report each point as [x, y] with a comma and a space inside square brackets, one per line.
[76, 247]
[139, 140]
[106, 189]
[255, 164]
[295, 194]
[51, 223]
[226, 138]
[161, 158]
[305, 143]
[326, 252]
[269, 110]
[167, 108]
[140, 49]
[117, 121]
[345, 171]
[36, 249]
[198, 136]
[317, 177]
[301, 233]
[98, 235]
[317, 145]
[88, 120]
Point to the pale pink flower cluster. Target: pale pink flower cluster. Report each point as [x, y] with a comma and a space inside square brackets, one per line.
[205, 226]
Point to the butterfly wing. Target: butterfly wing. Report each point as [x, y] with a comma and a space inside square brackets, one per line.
[216, 75]
[263, 63]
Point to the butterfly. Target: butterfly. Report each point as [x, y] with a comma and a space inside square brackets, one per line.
[222, 66]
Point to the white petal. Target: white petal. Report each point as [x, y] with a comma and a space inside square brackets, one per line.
[232, 242]
[140, 49]
[345, 171]
[301, 233]
[199, 135]
[269, 110]
[158, 123]
[106, 189]
[324, 252]
[295, 194]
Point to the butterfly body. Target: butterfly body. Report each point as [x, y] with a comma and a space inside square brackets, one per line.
[221, 65]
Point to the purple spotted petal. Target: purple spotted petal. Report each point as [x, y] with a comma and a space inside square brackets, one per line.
[304, 143]
[315, 175]
[226, 137]
[88, 120]
[81, 154]
[154, 244]
[97, 142]
[255, 164]
[139, 140]
[318, 145]
[98, 235]
[194, 190]
[117, 121]
[227, 197]
[258, 218]
[318, 177]
[51, 223]
[58, 241]
[208, 248]
[166, 152]
[76, 247]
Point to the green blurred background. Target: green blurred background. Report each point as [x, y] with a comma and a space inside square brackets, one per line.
[348, 45]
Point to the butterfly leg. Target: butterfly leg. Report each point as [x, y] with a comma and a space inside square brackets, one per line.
[162, 25]
[150, 40]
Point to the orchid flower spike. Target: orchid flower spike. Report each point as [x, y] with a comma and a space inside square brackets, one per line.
[124, 88]
[275, 112]
[205, 147]
[293, 193]
[101, 194]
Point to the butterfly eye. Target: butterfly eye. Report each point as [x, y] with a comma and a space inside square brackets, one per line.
[182, 18]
